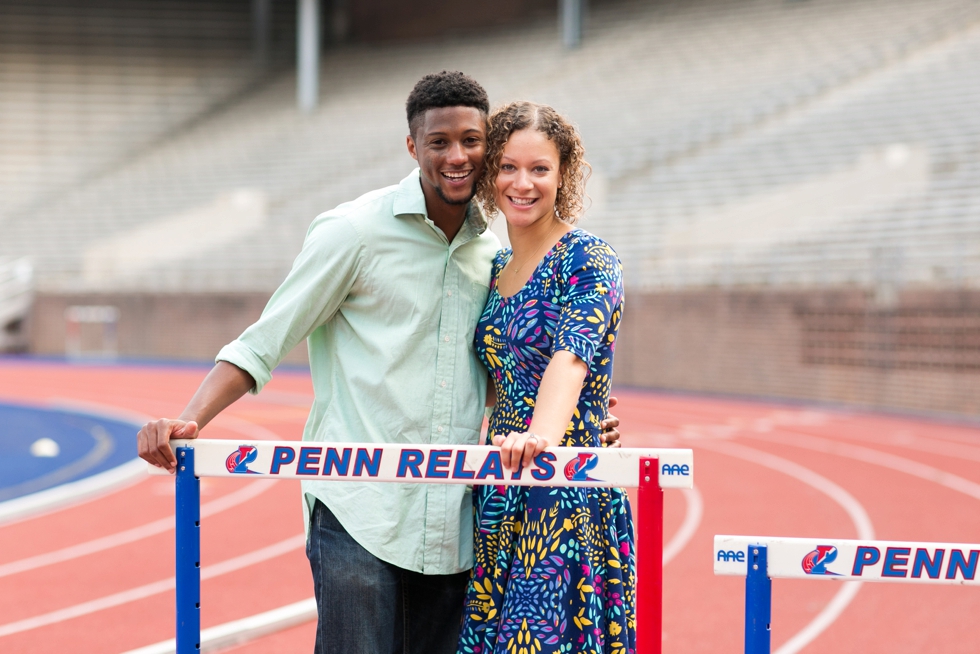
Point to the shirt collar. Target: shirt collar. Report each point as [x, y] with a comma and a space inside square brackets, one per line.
[409, 200]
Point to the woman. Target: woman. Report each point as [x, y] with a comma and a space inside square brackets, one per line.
[554, 566]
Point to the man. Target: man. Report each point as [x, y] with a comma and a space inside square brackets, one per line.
[388, 290]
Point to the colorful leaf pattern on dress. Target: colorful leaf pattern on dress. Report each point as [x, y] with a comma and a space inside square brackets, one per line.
[555, 568]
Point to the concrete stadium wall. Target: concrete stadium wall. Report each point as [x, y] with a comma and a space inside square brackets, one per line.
[916, 350]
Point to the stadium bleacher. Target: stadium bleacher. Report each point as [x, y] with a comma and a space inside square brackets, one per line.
[84, 86]
[16, 296]
[696, 115]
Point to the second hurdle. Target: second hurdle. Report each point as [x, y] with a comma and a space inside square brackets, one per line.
[649, 470]
[760, 559]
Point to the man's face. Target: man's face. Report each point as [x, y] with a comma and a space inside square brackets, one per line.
[450, 145]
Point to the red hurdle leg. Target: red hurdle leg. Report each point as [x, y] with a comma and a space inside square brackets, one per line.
[649, 560]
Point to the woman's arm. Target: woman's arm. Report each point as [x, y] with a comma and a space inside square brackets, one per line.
[558, 395]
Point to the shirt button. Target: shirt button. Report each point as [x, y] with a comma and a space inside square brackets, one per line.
[439, 429]
[449, 293]
[443, 384]
[445, 338]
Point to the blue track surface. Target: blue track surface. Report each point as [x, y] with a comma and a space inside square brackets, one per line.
[87, 445]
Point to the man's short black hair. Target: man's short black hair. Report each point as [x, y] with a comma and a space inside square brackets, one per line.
[450, 88]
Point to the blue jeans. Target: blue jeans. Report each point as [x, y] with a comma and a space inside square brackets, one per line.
[368, 606]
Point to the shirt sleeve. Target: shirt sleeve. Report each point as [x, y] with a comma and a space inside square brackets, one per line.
[321, 278]
[593, 292]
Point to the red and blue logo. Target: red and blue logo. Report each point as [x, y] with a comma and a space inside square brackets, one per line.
[237, 462]
[578, 468]
[815, 563]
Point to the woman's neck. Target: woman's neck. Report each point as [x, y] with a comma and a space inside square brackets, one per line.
[526, 241]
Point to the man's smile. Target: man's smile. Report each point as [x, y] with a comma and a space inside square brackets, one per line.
[457, 176]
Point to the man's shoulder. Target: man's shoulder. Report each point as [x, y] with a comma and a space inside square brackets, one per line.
[359, 211]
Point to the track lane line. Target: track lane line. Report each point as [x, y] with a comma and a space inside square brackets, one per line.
[118, 539]
[692, 520]
[154, 588]
[910, 441]
[239, 632]
[862, 523]
[878, 458]
[244, 630]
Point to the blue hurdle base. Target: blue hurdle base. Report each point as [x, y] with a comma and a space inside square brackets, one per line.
[188, 528]
[758, 602]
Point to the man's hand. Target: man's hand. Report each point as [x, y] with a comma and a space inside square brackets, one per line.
[153, 441]
[222, 386]
[610, 434]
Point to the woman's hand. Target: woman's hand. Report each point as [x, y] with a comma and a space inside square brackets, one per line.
[517, 450]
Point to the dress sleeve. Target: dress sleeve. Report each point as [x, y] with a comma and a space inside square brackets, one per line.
[593, 292]
[317, 285]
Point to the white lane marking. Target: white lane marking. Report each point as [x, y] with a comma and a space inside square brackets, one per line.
[909, 441]
[103, 448]
[45, 448]
[72, 493]
[96, 486]
[162, 525]
[154, 588]
[244, 630]
[692, 519]
[83, 490]
[256, 626]
[878, 458]
[862, 524]
[834, 608]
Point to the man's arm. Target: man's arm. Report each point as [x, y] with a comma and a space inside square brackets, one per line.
[222, 386]
[610, 427]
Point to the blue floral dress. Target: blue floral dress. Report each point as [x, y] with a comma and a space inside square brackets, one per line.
[555, 568]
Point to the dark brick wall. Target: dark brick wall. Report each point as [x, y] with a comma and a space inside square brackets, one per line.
[162, 326]
[919, 351]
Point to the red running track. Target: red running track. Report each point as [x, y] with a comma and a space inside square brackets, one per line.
[760, 469]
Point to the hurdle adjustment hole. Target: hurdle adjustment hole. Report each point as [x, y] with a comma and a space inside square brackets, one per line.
[755, 567]
[197, 605]
[197, 564]
[197, 523]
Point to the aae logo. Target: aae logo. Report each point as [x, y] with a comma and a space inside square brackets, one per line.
[237, 462]
[815, 563]
[675, 469]
[730, 555]
[578, 468]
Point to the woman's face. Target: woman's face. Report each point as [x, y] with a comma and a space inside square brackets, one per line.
[527, 183]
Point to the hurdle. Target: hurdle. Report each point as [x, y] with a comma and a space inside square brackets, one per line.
[649, 470]
[761, 559]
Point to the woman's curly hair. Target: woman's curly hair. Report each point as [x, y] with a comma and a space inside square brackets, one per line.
[571, 155]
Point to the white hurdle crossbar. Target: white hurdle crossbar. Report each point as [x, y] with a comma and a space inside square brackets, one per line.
[650, 470]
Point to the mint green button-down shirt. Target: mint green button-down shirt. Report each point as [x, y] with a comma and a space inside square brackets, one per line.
[389, 308]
